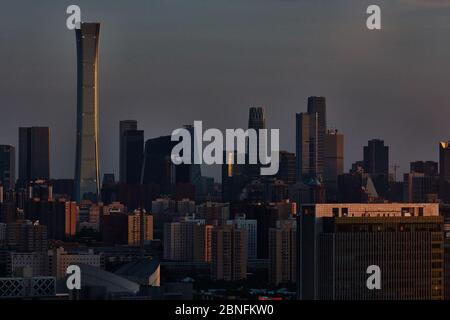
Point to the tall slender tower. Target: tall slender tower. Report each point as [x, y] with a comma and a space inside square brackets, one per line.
[87, 161]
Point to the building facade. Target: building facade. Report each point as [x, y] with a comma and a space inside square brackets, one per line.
[7, 167]
[87, 180]
[338, 242]
[34, 154]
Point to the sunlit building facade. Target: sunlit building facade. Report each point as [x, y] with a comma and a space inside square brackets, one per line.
[87, 182]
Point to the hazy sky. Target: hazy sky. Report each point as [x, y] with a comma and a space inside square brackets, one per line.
[169, 62]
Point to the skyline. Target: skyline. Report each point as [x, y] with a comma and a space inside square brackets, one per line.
[161, 81]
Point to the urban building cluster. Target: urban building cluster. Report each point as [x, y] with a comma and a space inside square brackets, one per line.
[165, 231]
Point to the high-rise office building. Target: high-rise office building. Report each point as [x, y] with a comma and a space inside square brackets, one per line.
[428, 168]
[338, 242]
[376, 164]
[256, 118]
[158, 167]
[444, 160]
[286, 171]
[418, 187]
[133, 147]
[310, 140]
[282, 252]
[229, 253]
[444, 171]
[376, 157]
[306, 146]
[34, 154]
[7, 167]
[124, 126]
[334, 163]
[317, 105]
[87, 181]
[256, 121]
[196, 171]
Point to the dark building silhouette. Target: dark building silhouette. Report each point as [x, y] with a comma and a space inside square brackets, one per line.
[310, 140]
[376, 164]
[419, 188]
[306, 146]
[124, 126]
[317, 105]
[115, 229]
[286, 171]
[8, 212]
[34, 154]
[63, 188]
[134, 196]
[25, 236]
[87, 180]
[158, 167]
[196, 171]
[333, 163]
[428, 168]
[444, 160]
[256, 118]
[234, 178]
[444, 171]
[133, 147]
[256, 121]
[7, 167]
[376, 157]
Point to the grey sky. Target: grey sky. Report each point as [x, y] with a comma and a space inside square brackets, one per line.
[169, 62]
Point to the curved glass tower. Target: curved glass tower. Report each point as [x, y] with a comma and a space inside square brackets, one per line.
[87, 162]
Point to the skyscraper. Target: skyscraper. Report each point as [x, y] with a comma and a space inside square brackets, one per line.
[376, 164]
[158, 167]
[287, 167]
[124, 126]
[87, 182]
[334, 162]
[256, 118]
[376, 157]
[7, 167]
[428, 168]
[34, 154]
[444, 171]
[317, 105]
[133, 147]
[310, 140]
[256, 121]
[306, 146]
[444, 160]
